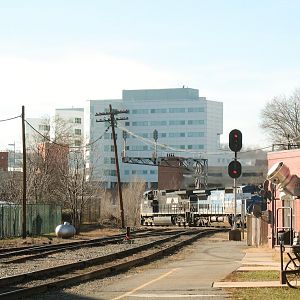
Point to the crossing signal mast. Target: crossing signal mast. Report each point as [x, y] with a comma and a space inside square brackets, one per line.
[235, 170]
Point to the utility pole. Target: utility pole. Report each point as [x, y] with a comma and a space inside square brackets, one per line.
[112, 120]
[24, 175]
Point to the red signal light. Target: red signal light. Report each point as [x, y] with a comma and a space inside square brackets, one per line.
[235, 140]
[234, 169]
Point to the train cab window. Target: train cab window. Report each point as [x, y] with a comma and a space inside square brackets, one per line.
[155, 206]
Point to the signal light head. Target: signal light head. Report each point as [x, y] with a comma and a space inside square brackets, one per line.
[235, 140]
[234, 169]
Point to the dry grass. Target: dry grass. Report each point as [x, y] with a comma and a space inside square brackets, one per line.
[88, 232]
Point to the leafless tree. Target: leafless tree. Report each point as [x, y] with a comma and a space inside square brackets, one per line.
[11, 187]
[132, 196]
[281, 119]
[58, 173]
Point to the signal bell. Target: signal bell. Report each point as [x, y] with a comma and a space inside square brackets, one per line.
[235, 140]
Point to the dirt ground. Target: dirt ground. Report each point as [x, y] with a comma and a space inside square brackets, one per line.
[89, 231]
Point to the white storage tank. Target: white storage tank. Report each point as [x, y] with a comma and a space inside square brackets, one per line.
[65, 230]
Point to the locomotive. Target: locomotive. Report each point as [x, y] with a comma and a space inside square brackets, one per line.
[196, 207]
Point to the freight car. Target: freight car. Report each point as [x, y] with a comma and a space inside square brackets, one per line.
[194, 208]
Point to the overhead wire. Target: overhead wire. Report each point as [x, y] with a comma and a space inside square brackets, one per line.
[66, 146]
[12, 118]
[148, 141]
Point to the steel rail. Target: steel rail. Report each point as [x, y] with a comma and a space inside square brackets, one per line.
[45, 251]
[75, 278]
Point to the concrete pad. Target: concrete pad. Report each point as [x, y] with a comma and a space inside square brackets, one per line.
[259, 268]
[266, 263]
[248, 284]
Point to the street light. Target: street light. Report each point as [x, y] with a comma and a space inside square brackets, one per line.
[14, 144]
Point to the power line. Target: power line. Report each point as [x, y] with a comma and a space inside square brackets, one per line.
[9, 119]
[62, 145]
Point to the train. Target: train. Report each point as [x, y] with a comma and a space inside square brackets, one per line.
[198, 207]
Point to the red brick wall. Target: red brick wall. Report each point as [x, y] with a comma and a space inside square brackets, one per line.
[4, 161]
[291, 158]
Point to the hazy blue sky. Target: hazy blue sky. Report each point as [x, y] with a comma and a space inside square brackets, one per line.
[60, 53]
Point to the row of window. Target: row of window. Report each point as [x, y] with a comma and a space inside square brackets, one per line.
[166, 110]
[165, 123]
[244, 174]
[108, 172]
[108, 136]
[110, 148]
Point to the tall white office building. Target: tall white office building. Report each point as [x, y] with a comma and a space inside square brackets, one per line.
[188, 126]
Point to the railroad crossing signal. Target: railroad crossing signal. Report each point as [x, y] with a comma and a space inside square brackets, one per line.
[235, 140]
[235, 169]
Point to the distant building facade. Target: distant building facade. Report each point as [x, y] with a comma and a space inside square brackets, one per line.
[37, 130]
[187, 124]
[70, 121]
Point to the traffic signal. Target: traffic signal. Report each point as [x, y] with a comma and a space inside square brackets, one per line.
[235, 169]
[235, 140]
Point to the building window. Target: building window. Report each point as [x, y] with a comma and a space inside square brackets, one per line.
[196, 109]
[215, 174]
[162, 135]
[158, 123]
[195, 122]
[78, 120]
[78, 131]
[44, 127]
[126, 172]
[140, 123]
[252, 174]
[77, 143]
[110, 173]
[177, 122]
[176, 134]
[177, 110]
[140, 111]
[196, 147]
[153, 172]
[139, 148]
[127, 123]
[112, 160]
[195, 134]
[158, 110]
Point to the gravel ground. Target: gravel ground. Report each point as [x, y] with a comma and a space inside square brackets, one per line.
[66, 257]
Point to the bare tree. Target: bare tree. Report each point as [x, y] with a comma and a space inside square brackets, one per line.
[132, 195]
[11, 187]
[281, 119]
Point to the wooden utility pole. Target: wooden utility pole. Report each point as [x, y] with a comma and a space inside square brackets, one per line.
[112, 121]
[24, 176]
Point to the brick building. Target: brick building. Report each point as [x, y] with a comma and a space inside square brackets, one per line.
[286, 207]
[4, 161]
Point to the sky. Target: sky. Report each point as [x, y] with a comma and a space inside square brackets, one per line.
[58, 54]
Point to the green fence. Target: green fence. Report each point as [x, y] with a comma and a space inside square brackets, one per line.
[40, 219]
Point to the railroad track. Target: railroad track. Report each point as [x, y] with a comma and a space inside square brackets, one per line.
[26, 284]
[32, 253]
